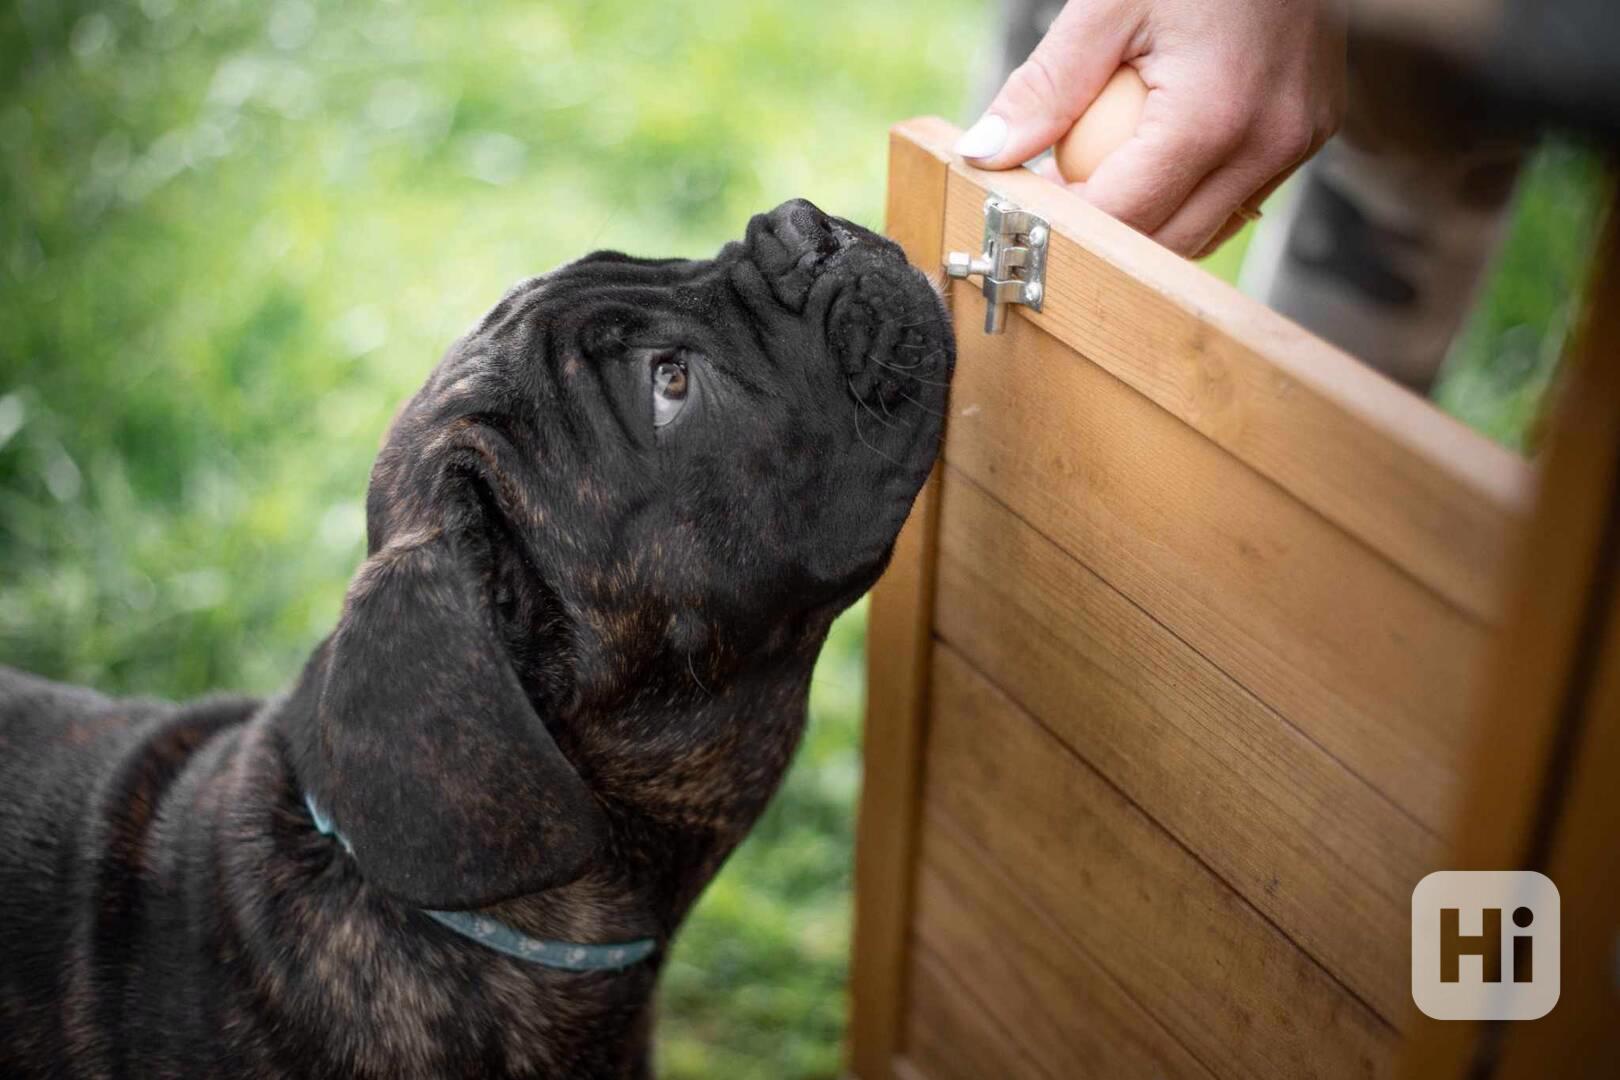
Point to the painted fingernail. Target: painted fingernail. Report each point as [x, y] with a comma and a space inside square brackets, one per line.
[984, 139]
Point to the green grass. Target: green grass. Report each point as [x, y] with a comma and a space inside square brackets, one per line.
[235, 235]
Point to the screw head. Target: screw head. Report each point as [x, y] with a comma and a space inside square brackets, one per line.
[1037, 235]
[1032, 293]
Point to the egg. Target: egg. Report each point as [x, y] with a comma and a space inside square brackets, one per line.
[1103, 127]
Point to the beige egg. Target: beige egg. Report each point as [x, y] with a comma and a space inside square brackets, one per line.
[1104, 127]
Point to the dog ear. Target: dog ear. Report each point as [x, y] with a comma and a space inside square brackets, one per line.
[431, 761]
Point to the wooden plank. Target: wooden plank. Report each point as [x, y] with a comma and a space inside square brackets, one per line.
[1531, 716]
[906, 1069]
[1360, 657]
[950, 1036]
[898, 646]
[914, 215]
[1224, 981]
[1323, 854]
[1579, 1037]
[1438, 499]
[1555, 595]
[1011, 964]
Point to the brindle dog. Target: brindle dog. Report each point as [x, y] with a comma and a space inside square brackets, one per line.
[606, 541]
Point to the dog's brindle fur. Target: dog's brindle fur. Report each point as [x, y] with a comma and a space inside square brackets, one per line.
[566, 680]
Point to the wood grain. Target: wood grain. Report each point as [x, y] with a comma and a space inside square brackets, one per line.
[1211, 969]
[898, 646]
[1578, 1038]
[1436, 498]
[1535, 700]
[1322, 853]
[950, 1035]
[1012, 963]
[1361, 658]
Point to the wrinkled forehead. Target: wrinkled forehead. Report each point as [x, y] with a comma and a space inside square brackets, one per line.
[608, 289]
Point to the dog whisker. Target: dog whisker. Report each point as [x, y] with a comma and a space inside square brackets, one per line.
[906, 370]
[607, 221]
[862, 402]
[920, 405]
[860, 435]
[927, 358]
[692, 670]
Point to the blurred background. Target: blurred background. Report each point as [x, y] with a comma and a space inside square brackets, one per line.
[235, 235]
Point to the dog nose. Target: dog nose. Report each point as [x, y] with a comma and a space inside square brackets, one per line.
[796, 245]
[793, 245]
[802, 228]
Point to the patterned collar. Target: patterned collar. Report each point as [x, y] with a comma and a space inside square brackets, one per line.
[494, 934]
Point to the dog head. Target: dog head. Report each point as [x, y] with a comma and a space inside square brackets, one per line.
[632, 485]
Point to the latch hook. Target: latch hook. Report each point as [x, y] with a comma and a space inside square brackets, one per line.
[1013, 264]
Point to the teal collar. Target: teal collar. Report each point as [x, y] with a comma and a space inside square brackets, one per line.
[494, 934]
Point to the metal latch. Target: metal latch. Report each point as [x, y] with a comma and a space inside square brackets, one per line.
[1013, 265]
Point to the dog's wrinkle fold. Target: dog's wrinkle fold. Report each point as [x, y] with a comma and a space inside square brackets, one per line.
[643, 272]
[617, 403]
[528, 287]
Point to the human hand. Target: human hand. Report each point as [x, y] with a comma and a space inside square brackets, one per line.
[1240, 94]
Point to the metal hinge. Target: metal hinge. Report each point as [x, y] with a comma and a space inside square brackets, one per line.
[1013, 264]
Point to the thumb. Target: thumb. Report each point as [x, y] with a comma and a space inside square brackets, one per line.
[1047, 93]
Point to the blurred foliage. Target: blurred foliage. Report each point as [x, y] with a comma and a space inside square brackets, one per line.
[1504, 359]
[235, 236]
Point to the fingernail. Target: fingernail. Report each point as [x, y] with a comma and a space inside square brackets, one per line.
[984, 139]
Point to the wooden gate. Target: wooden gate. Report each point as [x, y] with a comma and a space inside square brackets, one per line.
[1176, 680]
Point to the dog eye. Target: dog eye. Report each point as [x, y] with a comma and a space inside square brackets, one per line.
[669, 390]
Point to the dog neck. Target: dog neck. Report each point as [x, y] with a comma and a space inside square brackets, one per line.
[680, 789]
